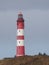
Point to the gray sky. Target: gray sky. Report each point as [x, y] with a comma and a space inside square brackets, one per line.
[24, 4]
[36, 15]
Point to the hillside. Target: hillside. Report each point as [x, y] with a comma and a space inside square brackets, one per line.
[26, 60]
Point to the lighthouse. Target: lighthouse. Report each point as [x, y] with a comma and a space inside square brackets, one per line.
[20, 49]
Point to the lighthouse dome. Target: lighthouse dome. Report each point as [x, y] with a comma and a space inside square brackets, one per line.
[20, 15]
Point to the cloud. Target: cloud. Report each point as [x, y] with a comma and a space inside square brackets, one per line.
[24, 4]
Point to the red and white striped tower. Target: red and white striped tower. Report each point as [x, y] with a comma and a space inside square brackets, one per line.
[20, 50]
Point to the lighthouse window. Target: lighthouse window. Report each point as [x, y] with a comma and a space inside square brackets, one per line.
[19, 41]
[19, 30]
[20, 16]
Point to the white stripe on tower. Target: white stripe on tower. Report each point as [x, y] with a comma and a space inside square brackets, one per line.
[20, 32]
[20, 42]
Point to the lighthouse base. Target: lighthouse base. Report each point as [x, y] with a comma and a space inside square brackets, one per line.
[20, 51]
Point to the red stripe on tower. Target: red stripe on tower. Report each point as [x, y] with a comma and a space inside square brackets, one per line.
[20, 50]
[20, 37]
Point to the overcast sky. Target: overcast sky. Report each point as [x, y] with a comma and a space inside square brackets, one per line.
[36, 16]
